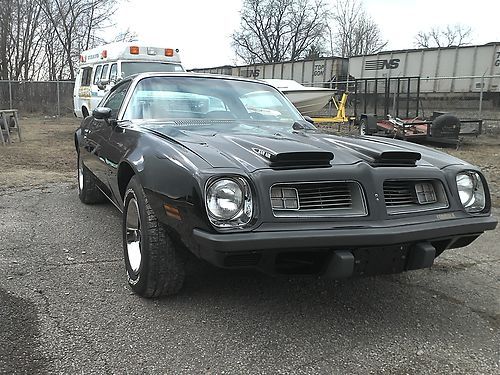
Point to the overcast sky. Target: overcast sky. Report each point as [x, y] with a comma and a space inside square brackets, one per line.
[201, 29]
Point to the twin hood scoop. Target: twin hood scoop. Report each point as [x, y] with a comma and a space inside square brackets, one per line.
[380, 154]
[397, 158]
[312, 159]
[285, 153]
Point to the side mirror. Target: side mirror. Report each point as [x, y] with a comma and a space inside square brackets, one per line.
[101, 85]
[309, 120]
[102, 113]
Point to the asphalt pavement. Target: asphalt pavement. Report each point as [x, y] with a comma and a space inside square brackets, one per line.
[65, 308]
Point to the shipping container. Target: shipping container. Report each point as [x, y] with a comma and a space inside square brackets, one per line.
[322, 72]
[442, 70]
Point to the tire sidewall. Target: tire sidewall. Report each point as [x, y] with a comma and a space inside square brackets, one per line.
[362, 127]
[81, 189]
[137, 280]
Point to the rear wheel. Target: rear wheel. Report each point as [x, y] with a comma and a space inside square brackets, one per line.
[155, 266]
[88, 192]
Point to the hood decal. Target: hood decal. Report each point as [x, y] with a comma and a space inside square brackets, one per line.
[264, 153]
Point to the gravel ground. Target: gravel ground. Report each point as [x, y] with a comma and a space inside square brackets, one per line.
[65, 306]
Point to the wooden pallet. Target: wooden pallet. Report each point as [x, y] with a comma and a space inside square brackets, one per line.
[5, 129]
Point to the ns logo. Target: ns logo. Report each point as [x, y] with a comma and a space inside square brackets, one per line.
[382, 64]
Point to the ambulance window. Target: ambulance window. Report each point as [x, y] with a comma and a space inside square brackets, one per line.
[86, 76]
[97, 74]
[113, 73]
[104, 74]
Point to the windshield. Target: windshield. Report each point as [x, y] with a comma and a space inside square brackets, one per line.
[134, 67]
[167, 98]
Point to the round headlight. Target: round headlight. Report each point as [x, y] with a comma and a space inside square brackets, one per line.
[471, 191]
[465, 184]
[225, 199]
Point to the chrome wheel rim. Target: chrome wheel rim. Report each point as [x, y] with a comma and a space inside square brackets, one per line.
[362, 128]
[133, 233]
[80, 174]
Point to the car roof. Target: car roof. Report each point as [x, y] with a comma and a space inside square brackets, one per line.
[140, 76]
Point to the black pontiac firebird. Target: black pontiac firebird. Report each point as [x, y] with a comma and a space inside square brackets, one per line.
[228, 169]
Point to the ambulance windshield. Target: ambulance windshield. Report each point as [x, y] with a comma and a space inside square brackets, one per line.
[130, 68]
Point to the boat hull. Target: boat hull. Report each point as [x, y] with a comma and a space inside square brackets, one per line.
[309, 102]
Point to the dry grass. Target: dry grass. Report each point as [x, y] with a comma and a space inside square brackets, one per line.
[46, 154]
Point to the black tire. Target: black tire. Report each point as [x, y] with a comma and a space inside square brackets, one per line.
[88, 192]
[160, 269]
[445, 125]
[363, 124]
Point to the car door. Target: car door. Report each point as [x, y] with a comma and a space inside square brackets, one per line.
[106, 153]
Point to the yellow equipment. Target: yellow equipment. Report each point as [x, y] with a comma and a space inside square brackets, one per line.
[341, 113]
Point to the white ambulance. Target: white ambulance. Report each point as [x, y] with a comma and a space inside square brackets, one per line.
[101, 67]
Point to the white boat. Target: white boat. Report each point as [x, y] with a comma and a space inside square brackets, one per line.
[308, 100]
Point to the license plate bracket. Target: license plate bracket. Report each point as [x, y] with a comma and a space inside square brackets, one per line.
[380, 260]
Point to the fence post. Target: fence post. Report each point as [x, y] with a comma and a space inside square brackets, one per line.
[481, 97]
[10, 94]
[58, 100]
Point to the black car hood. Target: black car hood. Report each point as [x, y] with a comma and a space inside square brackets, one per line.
[253, 145]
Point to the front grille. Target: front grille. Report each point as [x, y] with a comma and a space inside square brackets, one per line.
[342, 198]
[399, 193]
[324, 196]
[403, 196]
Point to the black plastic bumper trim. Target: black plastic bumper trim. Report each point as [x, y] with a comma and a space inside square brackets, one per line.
[337, 238]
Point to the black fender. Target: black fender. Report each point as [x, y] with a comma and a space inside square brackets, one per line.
[172, 181]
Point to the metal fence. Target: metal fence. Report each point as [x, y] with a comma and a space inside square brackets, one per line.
[402, 98]
[410, 97]
[53, 98]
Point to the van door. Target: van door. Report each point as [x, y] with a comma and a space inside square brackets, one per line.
[81, 93]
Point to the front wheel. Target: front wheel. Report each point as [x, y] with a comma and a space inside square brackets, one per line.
[155, 267]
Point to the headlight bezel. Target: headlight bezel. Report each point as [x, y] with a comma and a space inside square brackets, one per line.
[245, 214]
[478, 201]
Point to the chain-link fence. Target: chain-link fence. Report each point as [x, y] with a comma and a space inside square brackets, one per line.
[404, 97]
[53, 98]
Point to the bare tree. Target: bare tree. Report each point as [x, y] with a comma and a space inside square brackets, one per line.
[451, 35]
[277, 30]
[126, 36]
[314, 52]
[5, 32]
[356, 32]
[25, 40]
[75, 22]
[42, 39]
